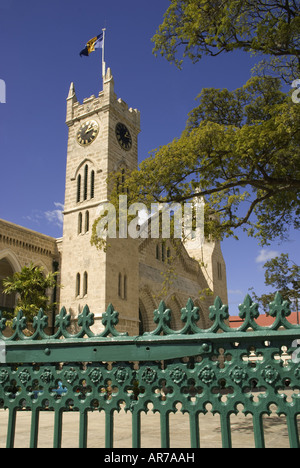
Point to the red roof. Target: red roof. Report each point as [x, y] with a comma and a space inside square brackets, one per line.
[264, 320]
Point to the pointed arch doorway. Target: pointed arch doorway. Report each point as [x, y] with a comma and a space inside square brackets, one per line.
[8, 266]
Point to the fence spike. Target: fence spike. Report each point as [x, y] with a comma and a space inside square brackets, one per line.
[40, 322]
[85, 320]
[248, 311]
[219, 313]
[162, 316]
[62, 322]
[110, 319]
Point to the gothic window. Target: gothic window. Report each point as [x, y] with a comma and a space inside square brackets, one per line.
[168, 254]
[219, 266]
[78, 284]
[85, 185]
[141, 324]
[92, 184]
[87, 221]
[79, 223]
[86, 174]
[85, 283]
[157, 252]
[163, 252]
[120, 285]
[7, 302]
[125, 287]
[78, 188]
[121, 183]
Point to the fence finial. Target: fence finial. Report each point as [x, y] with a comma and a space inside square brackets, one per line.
[110, 319]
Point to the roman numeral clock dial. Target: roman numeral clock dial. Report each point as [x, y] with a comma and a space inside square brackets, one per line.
[123, 137]
[87, 133]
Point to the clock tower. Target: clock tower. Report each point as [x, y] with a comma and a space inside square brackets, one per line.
[103, 137]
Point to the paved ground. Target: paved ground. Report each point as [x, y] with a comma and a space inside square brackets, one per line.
[276, 435]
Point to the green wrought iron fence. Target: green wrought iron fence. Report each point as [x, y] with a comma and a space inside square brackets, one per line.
[86, 373]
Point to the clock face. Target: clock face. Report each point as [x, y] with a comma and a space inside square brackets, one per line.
[123, 136]
[87, 132]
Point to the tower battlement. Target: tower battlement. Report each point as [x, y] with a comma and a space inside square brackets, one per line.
[92, 105]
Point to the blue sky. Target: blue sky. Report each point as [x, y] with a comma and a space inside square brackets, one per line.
[40, 43]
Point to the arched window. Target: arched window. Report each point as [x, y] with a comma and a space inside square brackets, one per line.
[120, 285]
[78, 188]
[125, 287]
[121, 182]
[7, 269]
[163, 252]
[78, 284]
[219, 266]
[92, 184]
[85, 283]
[86, 174]
[157, 252]
[168, 254]
[141, 324]
[87, 221]
[80, 223]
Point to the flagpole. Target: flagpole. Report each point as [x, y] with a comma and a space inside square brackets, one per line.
[103, 62]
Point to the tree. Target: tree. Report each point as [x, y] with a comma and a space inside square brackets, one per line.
[30, 284]
[284, 276]
[240, 150]
[202, 27]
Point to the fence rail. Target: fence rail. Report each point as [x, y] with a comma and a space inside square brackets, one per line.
[87, 372]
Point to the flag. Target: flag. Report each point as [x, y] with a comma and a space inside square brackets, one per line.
[95, 43]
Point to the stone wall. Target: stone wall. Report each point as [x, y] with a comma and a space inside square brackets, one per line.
[19, 247]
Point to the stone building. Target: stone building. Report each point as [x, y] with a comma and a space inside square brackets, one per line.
[103, 137]
[20, 246]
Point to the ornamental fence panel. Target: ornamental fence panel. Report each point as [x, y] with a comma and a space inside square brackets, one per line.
[248, 369]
